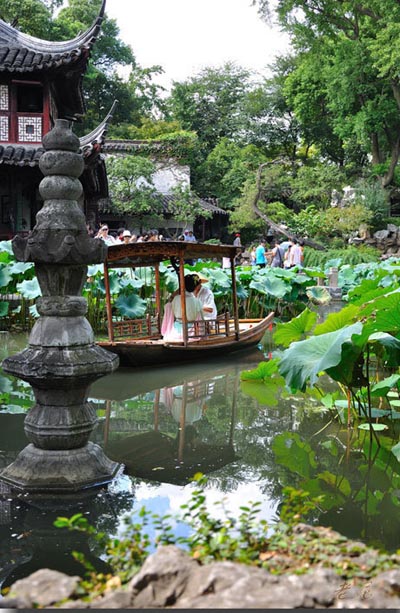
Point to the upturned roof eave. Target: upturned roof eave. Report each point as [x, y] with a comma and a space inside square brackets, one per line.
[14, 38]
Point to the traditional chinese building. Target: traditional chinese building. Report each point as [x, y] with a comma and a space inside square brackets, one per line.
[41, 81]
[168, 174]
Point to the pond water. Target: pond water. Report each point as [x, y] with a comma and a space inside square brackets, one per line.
[165, 424]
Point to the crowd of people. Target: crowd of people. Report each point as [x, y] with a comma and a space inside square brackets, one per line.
[285, 254]
[122, 235]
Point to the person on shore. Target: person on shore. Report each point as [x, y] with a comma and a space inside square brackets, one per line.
[261, 259]
[296, 254]
[237, 242]
[277, 255]
[105, 235]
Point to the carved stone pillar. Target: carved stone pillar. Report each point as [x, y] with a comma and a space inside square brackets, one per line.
[62, 359]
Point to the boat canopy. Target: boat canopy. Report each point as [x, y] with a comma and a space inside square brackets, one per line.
[151, 253]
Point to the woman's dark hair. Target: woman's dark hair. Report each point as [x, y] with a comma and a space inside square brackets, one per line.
[190, 283]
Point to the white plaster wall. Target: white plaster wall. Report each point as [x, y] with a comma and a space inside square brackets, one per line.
[168, 176]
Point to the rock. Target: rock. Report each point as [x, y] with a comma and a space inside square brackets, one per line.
[43, 587]
[381, 235]
[162, 578]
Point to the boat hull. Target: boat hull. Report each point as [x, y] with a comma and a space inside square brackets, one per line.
[138, 353]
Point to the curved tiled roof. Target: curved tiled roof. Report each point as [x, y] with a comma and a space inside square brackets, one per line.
[29, 155]
[24, 53]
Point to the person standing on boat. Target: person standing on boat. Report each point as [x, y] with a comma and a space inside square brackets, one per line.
[194, 312]
[205, 295]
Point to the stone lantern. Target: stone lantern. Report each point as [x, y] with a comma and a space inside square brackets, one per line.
[62, 359]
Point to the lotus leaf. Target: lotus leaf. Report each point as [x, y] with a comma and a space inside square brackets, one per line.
[305, 360]
[17, 268]
[295, 454]
[263, 371]
[318, 295]
[5, 277]
[131, 306]
[274, 287]
[6, 247]
[375, 427]
[336, 321]
[94, 269]
[267, 395]
[294, 329]
[29, 289]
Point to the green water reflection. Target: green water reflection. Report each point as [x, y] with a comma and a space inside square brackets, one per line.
[165, 424]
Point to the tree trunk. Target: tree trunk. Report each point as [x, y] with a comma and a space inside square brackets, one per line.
[375, 151]
[276, 227]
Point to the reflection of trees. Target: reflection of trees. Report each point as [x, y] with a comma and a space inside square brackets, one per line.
[358, 479]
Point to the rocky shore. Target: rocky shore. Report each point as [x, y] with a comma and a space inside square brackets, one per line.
[351, 576]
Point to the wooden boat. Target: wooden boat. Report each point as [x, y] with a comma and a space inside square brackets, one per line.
[139, 342]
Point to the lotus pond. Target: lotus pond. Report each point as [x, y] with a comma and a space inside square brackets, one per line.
[250, 439]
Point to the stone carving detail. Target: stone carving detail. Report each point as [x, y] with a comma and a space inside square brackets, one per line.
[62, 359]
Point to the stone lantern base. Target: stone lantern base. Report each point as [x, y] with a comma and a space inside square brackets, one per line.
[63, 471]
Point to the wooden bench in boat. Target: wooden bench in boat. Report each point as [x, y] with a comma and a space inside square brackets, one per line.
[149, 327]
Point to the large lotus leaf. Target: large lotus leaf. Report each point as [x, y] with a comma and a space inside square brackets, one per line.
[383, 387]
[333, 263]
[146, 274]
[5, 385]
[375, 427]
[131, 306]
[305, 360]
[115, 284]
[318, 295]
[313, 273]
[263, 371]
[5, 277]
[129, 280]
[271, 286]
[359, 294]
[301, 279]
[6, 247]
[293, 453]
[3, 308]
[17, 268]
[219, 280]
[94, 269]
[336, 321]
[294, 329]
[318, 487]
[380, 341]
[387, 301]
[267, 394]
[29, 289]
[342, 484]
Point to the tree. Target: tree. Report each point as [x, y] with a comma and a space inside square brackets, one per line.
[132, 190]
[33, 17]
[351, 44]
[211, 103]
[185, 206]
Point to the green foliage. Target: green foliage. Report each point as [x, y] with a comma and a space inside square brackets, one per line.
[348, 256]
[131, 187]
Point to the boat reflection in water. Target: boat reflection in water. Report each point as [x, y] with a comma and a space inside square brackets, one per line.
[175, 438]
